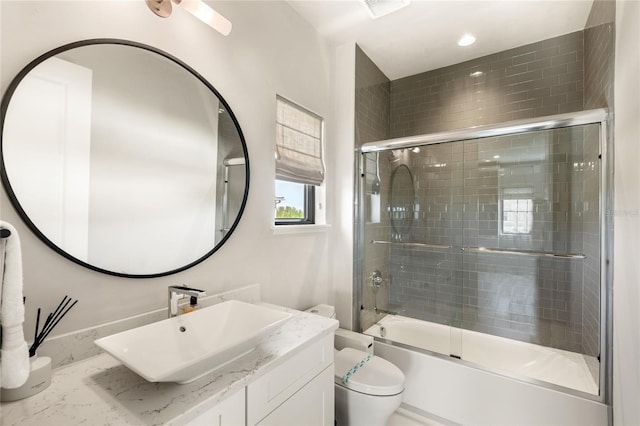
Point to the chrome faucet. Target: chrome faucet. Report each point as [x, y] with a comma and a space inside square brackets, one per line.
[177, 292]
[376, 279]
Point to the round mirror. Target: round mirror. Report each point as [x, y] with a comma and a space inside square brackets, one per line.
[402, 196]
[122, 158]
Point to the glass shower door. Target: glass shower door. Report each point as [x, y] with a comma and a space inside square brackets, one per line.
[489, 248]
[531, 247]
[411, 228]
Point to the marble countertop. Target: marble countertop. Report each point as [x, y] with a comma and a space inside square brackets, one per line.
[101, 391]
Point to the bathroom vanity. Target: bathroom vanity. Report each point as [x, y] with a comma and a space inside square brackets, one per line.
[287, 379]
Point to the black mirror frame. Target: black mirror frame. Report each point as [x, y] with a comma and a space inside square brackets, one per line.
[25, 218]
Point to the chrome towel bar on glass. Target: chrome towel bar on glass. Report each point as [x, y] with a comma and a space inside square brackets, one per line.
[412, 244]
[523, 252]
[484, 250]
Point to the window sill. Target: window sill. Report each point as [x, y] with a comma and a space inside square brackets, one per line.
[299, 229]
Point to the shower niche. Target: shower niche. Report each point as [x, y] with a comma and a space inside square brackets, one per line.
[492, 241]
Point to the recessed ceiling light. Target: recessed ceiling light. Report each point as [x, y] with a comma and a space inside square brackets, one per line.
[467, 40]
[476, 74]
[378, 8]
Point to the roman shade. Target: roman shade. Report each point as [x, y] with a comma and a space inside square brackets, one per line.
[298, 144]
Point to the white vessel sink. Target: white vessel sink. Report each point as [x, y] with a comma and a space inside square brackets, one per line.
[185, 348]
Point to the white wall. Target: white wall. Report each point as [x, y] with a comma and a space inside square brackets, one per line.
[270, 50]
[342, 159]
[626, 280]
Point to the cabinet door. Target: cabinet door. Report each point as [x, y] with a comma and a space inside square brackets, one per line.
[310, 406]
[229, 412]
[268, 392]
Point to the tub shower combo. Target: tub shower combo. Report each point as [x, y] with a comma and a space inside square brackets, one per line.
[489, 246]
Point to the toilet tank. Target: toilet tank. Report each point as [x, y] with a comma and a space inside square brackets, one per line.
[327, 311]
[344, 338]
[351, 339]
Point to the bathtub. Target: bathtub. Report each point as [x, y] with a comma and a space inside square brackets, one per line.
[496, 380]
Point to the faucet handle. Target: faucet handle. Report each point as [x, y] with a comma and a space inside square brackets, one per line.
[177, 292]
[184, 289]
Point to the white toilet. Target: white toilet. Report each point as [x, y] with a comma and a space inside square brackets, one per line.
[373, 390]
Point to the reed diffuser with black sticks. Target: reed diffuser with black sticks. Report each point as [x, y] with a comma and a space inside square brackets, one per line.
[52, 320]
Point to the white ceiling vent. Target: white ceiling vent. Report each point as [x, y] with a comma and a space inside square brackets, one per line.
[378, 8]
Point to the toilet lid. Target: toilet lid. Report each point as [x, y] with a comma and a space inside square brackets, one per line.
[376, 377]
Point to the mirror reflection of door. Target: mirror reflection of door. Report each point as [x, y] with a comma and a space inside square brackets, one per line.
[51, 119]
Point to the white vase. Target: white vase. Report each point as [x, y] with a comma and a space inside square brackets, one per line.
[39, 379]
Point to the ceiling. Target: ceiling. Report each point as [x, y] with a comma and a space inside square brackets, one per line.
[423, 36]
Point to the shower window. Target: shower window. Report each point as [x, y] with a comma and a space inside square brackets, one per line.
[517, 210]
[499, 236]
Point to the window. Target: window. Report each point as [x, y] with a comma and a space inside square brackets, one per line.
[299, 163]
[517, 210]
[294, 203]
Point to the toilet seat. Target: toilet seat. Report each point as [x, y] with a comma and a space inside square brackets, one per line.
[376, 377]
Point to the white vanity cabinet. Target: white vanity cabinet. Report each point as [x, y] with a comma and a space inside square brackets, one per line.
[230, 412]
[297, 391]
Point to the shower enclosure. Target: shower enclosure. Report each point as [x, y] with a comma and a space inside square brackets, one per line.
[490, 245]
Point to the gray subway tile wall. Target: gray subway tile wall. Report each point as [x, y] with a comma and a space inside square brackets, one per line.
[538, 79]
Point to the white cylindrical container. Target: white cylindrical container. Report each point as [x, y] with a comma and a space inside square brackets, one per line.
[39, 379]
